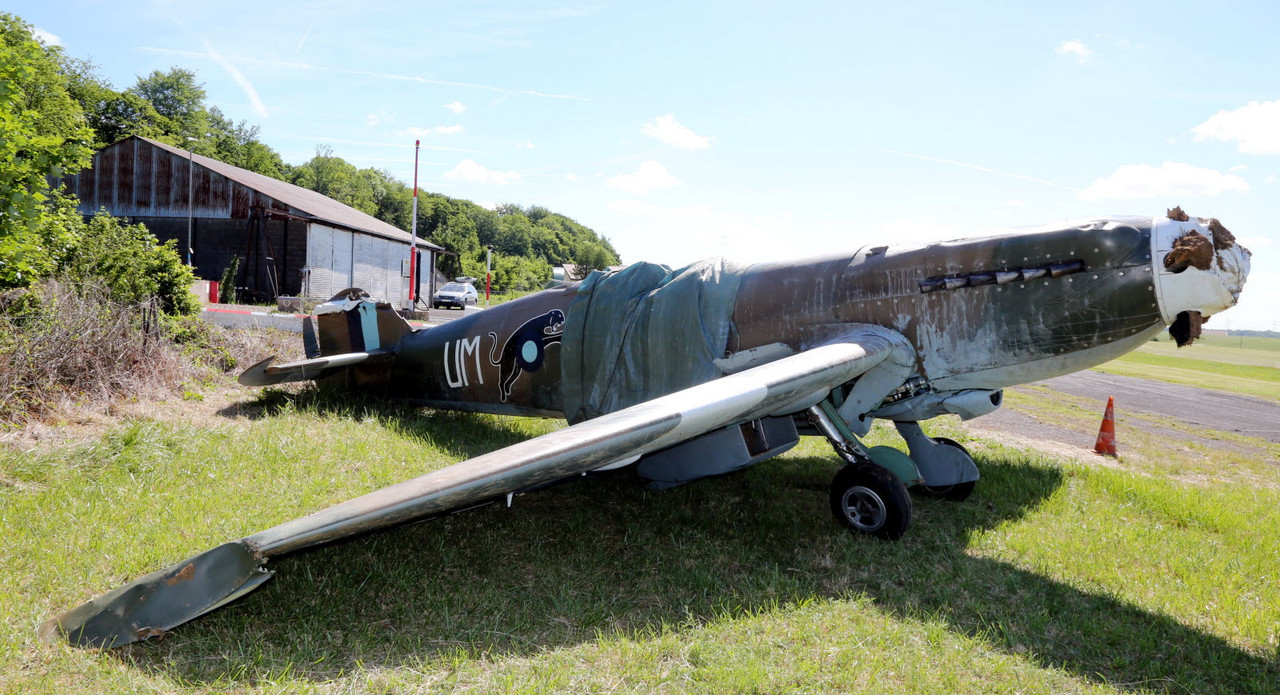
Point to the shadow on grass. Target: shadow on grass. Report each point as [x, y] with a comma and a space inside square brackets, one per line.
[606, 556]
[462, 435]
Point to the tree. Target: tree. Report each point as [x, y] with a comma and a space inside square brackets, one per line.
[337, 178]
[237, 144]
[42, 135]
[593, 256]
[112, 115]
[178, 98]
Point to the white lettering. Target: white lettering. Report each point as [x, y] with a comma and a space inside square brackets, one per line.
[457, 376]
[471, 347]
[453, 382]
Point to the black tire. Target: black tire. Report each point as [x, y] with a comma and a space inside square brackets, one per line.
[868, 499]
[955, 493]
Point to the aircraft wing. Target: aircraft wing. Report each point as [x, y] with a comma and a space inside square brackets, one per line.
[172, 596]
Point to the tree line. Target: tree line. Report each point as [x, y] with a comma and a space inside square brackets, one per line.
[55, 111]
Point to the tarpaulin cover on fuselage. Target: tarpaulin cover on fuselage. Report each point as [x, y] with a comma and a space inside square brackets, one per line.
[643, 332]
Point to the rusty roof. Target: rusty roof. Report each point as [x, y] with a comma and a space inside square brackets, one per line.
[318, 206]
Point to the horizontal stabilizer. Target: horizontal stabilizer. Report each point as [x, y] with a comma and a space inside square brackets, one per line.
[266, 374]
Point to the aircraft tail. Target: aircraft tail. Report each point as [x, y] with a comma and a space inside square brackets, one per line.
[353, 322]
[350, 328]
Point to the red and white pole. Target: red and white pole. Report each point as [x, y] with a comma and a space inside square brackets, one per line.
[413, 234]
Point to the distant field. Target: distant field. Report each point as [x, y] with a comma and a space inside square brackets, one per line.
[1244, 342]
[1244, 365]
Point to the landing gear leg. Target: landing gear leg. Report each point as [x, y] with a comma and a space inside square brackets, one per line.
[865, 497]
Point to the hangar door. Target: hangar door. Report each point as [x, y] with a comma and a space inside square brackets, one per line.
[340, 259]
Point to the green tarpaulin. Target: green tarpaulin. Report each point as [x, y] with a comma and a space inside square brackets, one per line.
[643, 332]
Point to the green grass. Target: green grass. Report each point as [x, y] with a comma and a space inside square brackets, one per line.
[1054, 577]
[1255, 342]
[1214, 362]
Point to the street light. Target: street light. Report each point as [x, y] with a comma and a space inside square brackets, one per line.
[190, 202]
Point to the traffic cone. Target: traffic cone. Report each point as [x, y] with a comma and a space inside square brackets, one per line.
[1106, 444]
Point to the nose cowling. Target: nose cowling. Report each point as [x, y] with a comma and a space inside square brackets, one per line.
[1199, 270]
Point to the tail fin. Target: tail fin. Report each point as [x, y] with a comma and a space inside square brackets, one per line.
[353, 329]
[353, 322]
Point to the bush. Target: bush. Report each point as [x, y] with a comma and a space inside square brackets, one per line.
[227, 285]
[133, 265]
[62, 342]
[201, 341]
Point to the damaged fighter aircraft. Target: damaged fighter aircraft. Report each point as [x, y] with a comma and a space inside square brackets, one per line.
[707, 369]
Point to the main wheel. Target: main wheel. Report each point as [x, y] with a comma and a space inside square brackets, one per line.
[957, 492]
[868, 499]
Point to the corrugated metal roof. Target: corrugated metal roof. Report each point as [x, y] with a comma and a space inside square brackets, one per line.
[321, 207]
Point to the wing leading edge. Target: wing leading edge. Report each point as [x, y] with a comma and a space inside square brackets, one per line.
[172, 596]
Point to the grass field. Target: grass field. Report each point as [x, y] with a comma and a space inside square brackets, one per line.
[1055, 576]
[1244, 365]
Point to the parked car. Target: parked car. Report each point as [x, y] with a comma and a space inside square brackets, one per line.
[455, 294]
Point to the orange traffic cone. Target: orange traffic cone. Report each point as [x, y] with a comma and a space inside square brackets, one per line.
[1106, 444]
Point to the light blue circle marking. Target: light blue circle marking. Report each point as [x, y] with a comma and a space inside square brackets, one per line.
[529, 351]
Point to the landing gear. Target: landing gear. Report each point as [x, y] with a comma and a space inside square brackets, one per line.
[870, 500]
[948, 470]
[865, 496]
[957, 492]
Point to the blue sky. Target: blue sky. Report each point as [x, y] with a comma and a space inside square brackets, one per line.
[754, 130]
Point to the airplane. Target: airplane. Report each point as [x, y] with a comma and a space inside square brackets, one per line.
[697, 372]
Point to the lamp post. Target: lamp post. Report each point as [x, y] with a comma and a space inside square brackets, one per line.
[190, 201]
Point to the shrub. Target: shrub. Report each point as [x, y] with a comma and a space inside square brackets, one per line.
[227, 285]
[132, 265]
[62, 342]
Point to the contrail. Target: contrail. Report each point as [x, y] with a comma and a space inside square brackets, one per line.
[370, 73]
[254, 100]
[305, 34]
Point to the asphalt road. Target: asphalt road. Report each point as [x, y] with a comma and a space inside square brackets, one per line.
[1209, 409]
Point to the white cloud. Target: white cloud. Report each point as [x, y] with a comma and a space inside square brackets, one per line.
[639, 207]
[48, 38]
[666, 129]
[1170, 179]
[682, 234]
[1271, 178]
[436, 130]
[527, 146]
[1239, 167]
[1074, 48]
[456, 106]
[245, 85]
[1255, 127]
[469, 170]
[376, 119]
[572, 177]
[647, 176]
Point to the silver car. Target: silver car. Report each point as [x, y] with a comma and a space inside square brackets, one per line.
[455, 294]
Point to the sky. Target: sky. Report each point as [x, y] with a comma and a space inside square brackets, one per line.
[755, 131]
